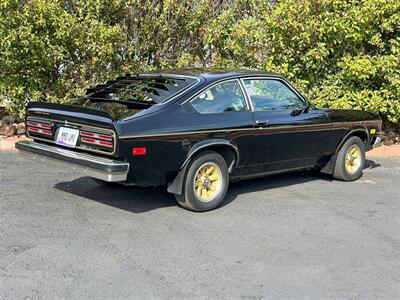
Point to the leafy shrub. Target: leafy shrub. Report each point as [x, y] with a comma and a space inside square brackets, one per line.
[51, 54]
[341, 54]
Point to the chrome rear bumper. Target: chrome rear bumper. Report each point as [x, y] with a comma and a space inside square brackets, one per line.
[85, 164]
[378, 142]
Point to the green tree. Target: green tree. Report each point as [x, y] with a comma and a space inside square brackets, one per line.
[49, 53]
[341, 54]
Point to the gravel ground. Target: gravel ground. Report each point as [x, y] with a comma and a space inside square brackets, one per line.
[299, 235]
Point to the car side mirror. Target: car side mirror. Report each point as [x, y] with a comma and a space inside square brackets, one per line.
[298, 111]
[306, 107]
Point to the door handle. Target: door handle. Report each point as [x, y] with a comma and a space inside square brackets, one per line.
[262, 122]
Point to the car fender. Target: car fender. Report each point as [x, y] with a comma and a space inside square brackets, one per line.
[351, 132]
[330, 165]
[176, 186]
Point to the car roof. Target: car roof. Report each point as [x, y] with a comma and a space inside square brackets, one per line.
[209, 74]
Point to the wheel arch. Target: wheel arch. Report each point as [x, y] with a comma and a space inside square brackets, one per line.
[359, 131]
[223, 147]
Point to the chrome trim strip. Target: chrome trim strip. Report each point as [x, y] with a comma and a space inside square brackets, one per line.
[161, 74]
[378, 142]
[184, 90]
[250, 103]
[75, 160]
[76, 124]
[213, 144]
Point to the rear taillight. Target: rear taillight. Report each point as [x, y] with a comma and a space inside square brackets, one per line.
[97, 135]
[90, 139]
[39, 128]
[97, 140]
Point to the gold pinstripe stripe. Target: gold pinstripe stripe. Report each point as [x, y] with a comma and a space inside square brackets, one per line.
[326, 125]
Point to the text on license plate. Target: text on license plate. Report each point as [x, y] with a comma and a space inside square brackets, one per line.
[67, 137]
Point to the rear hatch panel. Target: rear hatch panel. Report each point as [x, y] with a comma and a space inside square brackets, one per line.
[96, 128]
[70, 113]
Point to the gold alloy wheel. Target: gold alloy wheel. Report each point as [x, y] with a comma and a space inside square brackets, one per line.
[208, 182]
[353, 159]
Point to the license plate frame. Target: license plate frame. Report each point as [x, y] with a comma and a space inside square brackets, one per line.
[67, 137]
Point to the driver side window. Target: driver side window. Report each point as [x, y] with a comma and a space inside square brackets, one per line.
[224, 97]
[269, 94]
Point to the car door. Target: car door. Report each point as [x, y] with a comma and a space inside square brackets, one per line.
[222, 111]
[290, 133]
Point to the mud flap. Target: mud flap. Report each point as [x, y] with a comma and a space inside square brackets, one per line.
[330, 165]
[176, 186]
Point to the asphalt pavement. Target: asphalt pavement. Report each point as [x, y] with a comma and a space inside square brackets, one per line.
[294, 236]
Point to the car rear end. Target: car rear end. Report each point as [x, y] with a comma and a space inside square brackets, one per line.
[82, 139]
[84, 135]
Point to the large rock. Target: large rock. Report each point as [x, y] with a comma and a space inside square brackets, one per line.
[2, 113]
[8, 130]
[7, 120]
[388, 142]
[20, 129]
[391, 135]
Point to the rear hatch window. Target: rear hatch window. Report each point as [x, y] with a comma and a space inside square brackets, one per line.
[128, 95]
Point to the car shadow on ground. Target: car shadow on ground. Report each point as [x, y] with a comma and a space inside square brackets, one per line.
[143, 199]
[280, 181]
[129, 198]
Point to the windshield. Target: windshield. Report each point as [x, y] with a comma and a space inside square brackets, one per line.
[144, 90]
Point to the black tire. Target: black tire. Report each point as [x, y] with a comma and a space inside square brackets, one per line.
[341, 172]
[106, 183]
[189, 198]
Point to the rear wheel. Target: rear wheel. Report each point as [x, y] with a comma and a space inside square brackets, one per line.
[206, 182]
[350, 160]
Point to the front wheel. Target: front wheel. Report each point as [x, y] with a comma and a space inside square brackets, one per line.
[350, 160]
[206, 182]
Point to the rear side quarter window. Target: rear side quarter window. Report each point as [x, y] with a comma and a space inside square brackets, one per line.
[221, 98]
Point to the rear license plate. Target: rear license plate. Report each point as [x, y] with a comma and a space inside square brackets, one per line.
[67, 137]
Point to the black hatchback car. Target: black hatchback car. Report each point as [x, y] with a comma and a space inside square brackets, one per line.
[194, 131]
